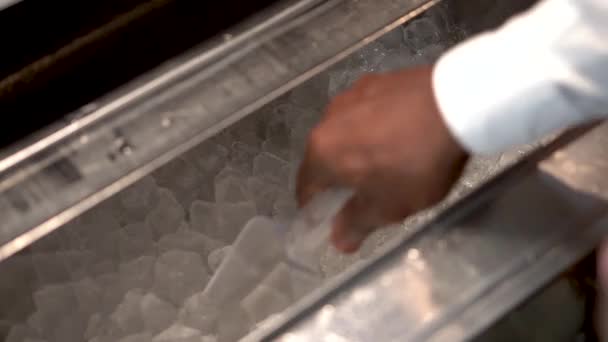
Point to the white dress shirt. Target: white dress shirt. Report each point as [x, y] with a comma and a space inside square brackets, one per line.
[542, 71]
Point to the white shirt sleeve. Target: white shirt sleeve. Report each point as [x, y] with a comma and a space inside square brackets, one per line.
[542, 71]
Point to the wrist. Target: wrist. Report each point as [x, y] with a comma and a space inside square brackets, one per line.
[448, 141]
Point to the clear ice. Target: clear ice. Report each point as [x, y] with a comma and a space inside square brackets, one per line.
[177, 256]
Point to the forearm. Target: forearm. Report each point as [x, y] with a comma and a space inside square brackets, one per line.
[542, 71]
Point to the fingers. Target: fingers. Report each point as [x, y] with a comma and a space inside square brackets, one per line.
[353, 224]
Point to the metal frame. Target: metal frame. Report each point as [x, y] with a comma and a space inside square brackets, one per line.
[479, 260]
[54, 176]
[446, 283]
[8, 3]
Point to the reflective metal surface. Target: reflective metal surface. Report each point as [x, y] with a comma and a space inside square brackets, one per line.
[55, 176]
[7, 3]
[476, 262]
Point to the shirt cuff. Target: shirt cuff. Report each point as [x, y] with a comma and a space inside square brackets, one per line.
[502, 89]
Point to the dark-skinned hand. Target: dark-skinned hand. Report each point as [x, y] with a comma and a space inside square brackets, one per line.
[385, 139]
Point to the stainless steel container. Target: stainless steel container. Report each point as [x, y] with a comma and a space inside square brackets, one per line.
[115, 219]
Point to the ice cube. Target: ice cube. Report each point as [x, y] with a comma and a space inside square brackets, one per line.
[188, 240]
[204, 218]
[264, 301]
[101, 266]
[230, 188]
[312, 94]
[232, 281]
[241, 157]
[294, 168]
[73, 234]
[167, 216]
[157, 314]
[95, 326]
[278, 146]
[208, 157]
[366, 60]
[182, 177]
[371, 57]
[431, 53]
[260, 231]
[50, 268]
[300, 130]
[303, 282]
[233, 324]
[205, 190]
[139, 231]
[52, 303]
[130, 248]
[399, 59]
[285, 207]
[88, 295]
[70, 328]
[279, 280]
[265, 194]
[102, 339]
[112, 291]
[78, 262]
[5, 327]
[273, 294]
[108, 247]
[52, 243]
[247, 264]
[392, 40]
[178, 333]
[138, 199]
[39, 322]
[248, 131]
[19, 332]
[209, 338]
[222, 138]
[199, 312]
[127, 315]
[277, 132]
[421, 32]
[232, 217]
[33, 339]
[179, 274]
[18, 282]
[216, 257]
[141, 337]
[339, 80]
[97, 222]
[271, 168]
[269, 321]
[55, 299]
[294, 115]
[138, 273]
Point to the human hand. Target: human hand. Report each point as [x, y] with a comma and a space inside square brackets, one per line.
[385, 139]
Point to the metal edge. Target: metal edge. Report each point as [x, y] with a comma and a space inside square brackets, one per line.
[4, 4]
[163, 76]
[37, 196]
[347, 281]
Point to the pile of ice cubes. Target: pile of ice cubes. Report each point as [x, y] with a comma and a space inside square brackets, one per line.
[146, 265]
